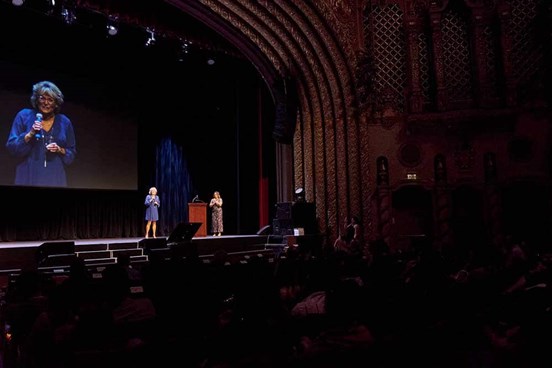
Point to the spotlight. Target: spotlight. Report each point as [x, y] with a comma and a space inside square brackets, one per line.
[184, 49]
[68, 15]
[299, 195]
[211, 61]
[18, 2]
[112, 28]
[151, 39]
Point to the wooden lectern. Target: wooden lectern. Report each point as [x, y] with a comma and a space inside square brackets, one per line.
[197, 212]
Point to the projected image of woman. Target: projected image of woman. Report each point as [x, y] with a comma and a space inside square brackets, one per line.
[42, 139]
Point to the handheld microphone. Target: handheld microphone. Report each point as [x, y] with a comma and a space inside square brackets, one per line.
[39, 119]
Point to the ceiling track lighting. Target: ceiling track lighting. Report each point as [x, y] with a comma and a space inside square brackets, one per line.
[68, 15]
[112, 25]
[66, 11]
[184, 49]
[151, 39]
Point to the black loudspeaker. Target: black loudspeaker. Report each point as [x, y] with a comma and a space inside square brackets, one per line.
[303, 214]
[291, 215]
[283, 210]
[53, 248]
[265, 230]
[282, 227]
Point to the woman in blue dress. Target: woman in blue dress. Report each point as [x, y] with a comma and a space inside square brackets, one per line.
[42, 139]
[152, 214]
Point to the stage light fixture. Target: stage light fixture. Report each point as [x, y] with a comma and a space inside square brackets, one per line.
[18, 2]
[184, 49]
[299, 195]
[112, 25]
[151, 39]
[68, 15]
[112, 30]
[211, 61]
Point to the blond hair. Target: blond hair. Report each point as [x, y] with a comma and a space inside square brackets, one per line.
[47, 88]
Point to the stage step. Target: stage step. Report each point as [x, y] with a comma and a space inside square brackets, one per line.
[139, 259]
[128, 252]
[90, 247]
[100, 261]
[94, 254]
[56, 260]
[119, 246]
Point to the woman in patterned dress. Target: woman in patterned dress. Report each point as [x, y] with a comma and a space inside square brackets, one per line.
[216, 214]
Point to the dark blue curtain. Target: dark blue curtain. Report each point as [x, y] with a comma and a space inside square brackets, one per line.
[174, 185]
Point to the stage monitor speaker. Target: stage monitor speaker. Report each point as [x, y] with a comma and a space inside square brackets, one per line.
[150, 244]
[282, 227]
[183, 233]
[52, 248]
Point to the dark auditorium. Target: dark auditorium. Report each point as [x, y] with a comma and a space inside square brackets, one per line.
[382, 171]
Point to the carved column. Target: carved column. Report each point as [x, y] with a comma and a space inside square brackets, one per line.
[492, 198]
[505, 15]
[443, 203]
[383, 199]
[435, 16]
[480, 21]
[413, 28]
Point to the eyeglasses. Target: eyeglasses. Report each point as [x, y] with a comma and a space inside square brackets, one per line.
[46, 99]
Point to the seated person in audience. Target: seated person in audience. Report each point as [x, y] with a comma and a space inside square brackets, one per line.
[133, 317]
[133, 273]
[350, 237]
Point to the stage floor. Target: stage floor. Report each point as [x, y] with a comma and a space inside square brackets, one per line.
[25, 244]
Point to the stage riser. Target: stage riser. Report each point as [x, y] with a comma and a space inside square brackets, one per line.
[26, 257]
